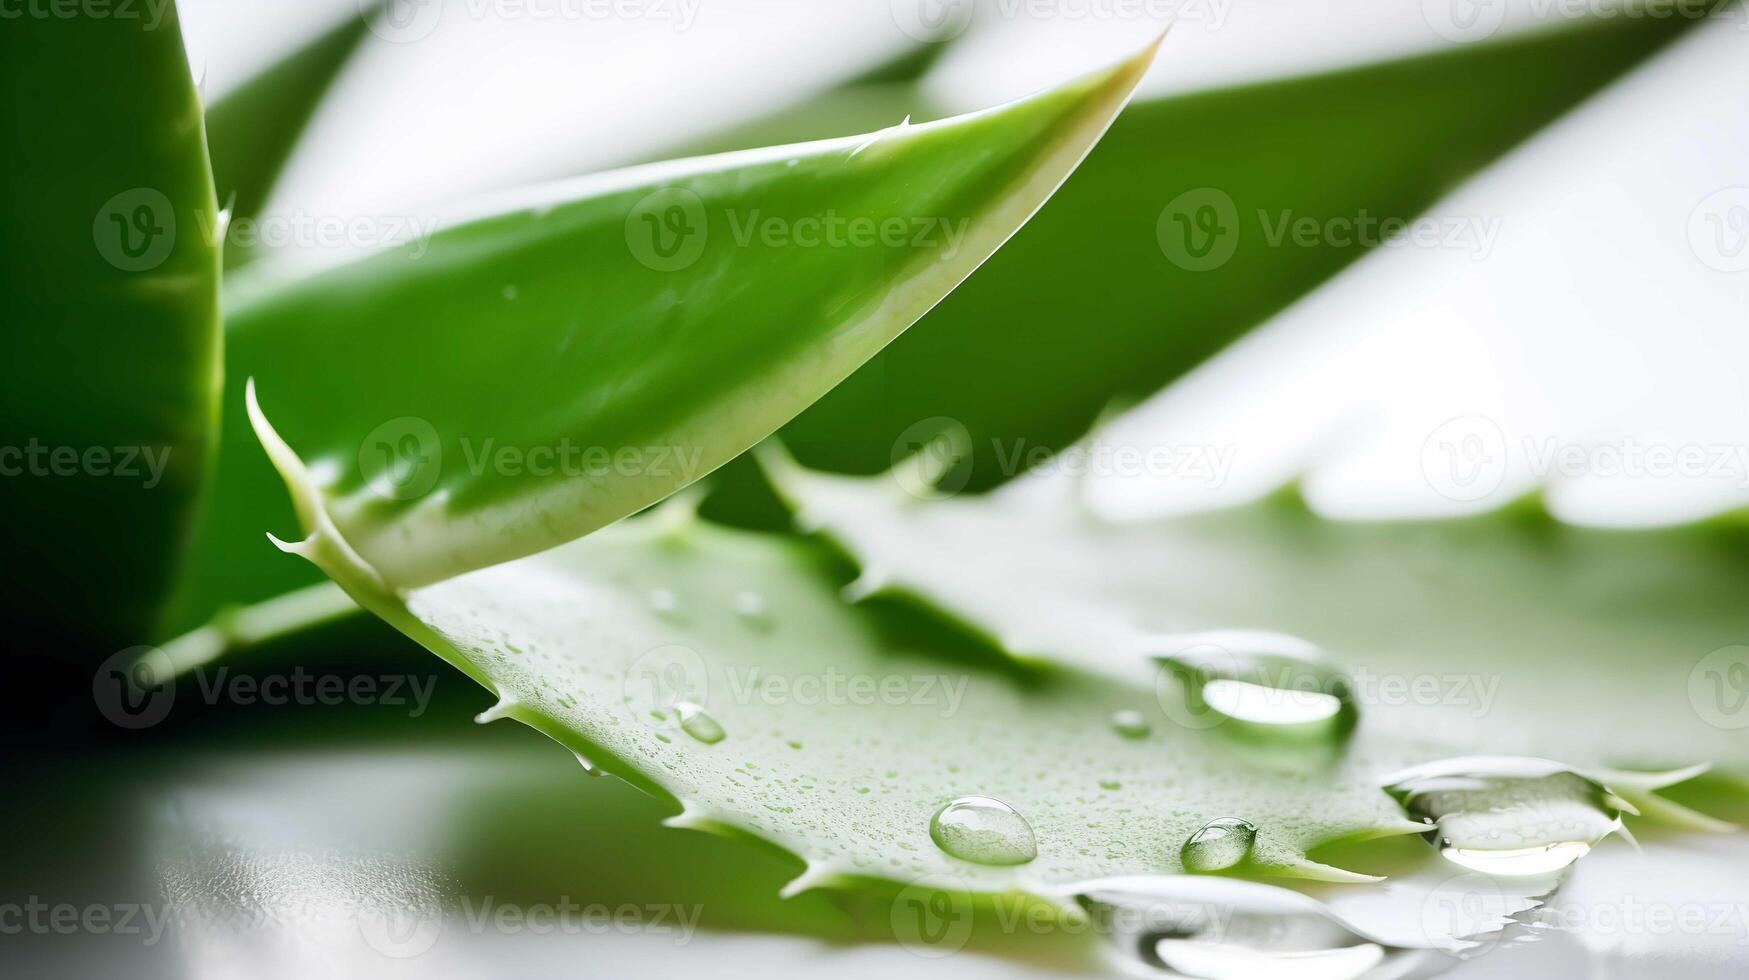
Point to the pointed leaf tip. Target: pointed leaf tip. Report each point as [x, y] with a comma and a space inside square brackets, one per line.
[758, 302]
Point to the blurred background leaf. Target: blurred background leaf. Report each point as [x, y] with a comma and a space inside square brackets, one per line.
[109, 386]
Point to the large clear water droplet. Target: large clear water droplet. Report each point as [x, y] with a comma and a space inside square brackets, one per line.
[698, 723]
[1258, 678]
[1229, 929]
[984, 831]
[1506, 815]
[1220, 844]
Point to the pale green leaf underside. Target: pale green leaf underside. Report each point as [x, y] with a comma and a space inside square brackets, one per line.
[1507, 633]
[849, 782]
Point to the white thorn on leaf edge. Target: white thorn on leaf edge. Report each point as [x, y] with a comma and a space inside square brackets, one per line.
[506, 703]
[814, 876]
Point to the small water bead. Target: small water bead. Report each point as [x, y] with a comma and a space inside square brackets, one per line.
[1210, 928]
[751, 608]
[664, 603]
[984, 831]
[1220, 844]
[698, 723]
[1260, 678]
[1129, 724]
[1507, 815]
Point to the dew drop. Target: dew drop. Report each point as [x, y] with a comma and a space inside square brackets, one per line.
[664, 603]
[983, 831]
[1269, 680]
[698, 723]
[1220, 844]
[1205, 928]
[1508, 815]
[750, 608]
[1129, 724]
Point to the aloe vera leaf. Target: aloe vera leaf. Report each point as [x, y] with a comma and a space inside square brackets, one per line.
[1436, 381]
[1516, 86]
[251, 129]
[109, 386]
[1505, 633]
[1388, 139]
[1611, 646]
[603, 643]
[557, 325]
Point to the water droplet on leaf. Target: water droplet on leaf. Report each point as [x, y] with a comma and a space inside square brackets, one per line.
[1267, 680]
[1129, 724]
[751, 609]
[1188, 926]
[1220, 844]
[664, 603]
[698, 723]
[1506, 815]
[984, 831]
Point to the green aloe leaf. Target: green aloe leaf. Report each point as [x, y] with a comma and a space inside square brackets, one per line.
[109, 386]
[527, 377]
[1440, 116]
[1001, 354]
[1506, 633]
[719, 670]
[253, 128]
